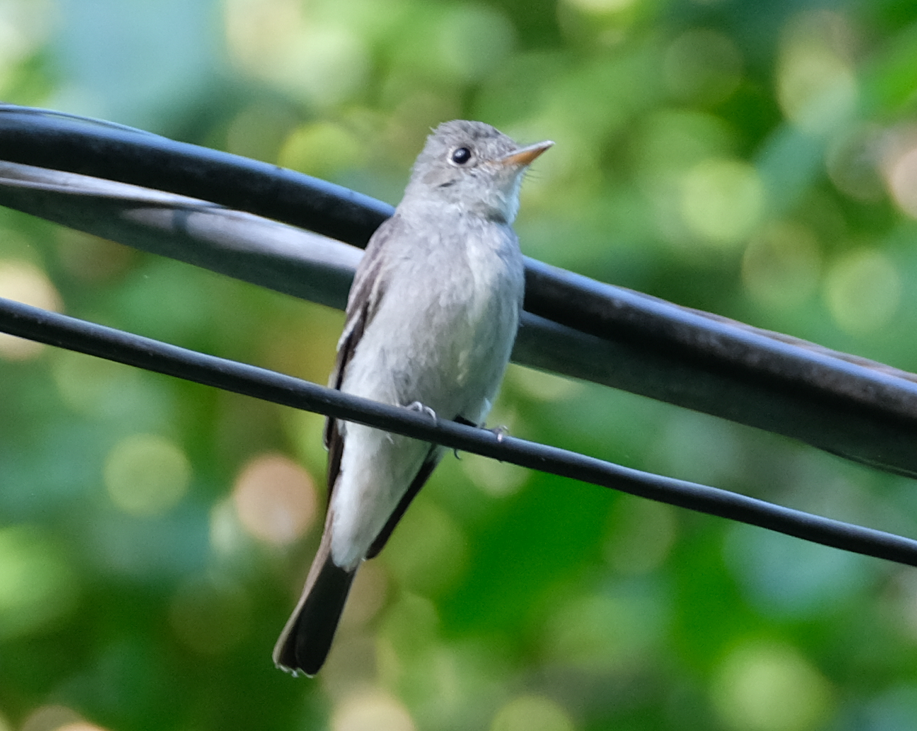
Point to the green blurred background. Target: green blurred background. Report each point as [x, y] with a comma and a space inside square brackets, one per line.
[754, 159]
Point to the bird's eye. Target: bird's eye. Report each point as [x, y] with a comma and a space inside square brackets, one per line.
[460, 155]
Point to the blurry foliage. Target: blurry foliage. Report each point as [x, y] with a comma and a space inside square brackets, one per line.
[755, 159]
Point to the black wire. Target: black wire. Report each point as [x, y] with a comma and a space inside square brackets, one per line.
[858, 409]
[104, 342]
[850, 406]
[123, 154]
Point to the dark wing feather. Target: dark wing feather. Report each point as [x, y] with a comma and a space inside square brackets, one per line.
[426, 469]
[365, 294]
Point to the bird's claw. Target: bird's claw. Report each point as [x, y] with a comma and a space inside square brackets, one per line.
[499, 432]
[419, 407]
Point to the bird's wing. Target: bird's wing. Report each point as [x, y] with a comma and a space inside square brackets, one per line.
[365, 294]
[426, 469]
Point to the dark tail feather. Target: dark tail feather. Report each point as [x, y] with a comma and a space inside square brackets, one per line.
[306, 639]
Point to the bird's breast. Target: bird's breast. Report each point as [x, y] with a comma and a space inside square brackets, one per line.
[446, 326]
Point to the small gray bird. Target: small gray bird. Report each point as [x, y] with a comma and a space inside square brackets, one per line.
[431, 320]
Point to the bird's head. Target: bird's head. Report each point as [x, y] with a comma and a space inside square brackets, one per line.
[474, 166]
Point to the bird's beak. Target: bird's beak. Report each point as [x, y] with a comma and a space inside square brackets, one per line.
[525, 155]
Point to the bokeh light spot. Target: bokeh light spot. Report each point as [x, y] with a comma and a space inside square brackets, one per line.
[764, 687]
[498, 479]
[367, 596]
[51, 718]
[409, 630]
[816, 87]
[722, 200]
[672, 142]
[429, 552]
[24, 25]
[601, 6]
[781, 576]
[698, 447]
[92, 259]
[640, 534]
[26, 283]
[323, 150]
[307, 57]
[259, 131]
[597, 632]
[353, 665]
[474, 40]
[854, 165]
[95, 386]
[901, 178]
[372, 711]
[210, 617]
[702, 65]
[781, 266]
[37, 585]
[275, 499]
[542, 385]
[227, 536]
[863, 290]
[146, 475]
[603, 21]
[532, 713]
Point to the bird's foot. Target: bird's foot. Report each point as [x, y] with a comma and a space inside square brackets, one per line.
[499, 432]
[419, 407]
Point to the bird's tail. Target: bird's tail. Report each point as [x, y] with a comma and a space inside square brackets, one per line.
[306, 638]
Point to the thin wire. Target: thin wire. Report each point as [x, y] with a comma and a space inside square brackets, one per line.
[104, 342]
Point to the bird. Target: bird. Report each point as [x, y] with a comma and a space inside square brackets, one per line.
[430, 322]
